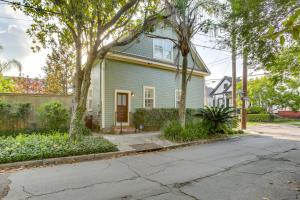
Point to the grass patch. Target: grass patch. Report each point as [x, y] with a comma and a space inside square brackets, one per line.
[41, 146]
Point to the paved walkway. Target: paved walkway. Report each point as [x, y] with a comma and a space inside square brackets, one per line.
[127, 142]
[252, 167]
[283, 131]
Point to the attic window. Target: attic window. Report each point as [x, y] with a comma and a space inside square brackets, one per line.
[225, 85]
[162, 49]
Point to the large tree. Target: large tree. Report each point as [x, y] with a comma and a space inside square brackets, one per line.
[93, 27]
[187, 17]
[59, 70]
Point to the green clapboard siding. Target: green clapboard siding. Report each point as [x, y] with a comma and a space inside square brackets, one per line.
[126, 76]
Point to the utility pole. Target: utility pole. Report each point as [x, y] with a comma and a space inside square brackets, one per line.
[233, 62]
[244, 94]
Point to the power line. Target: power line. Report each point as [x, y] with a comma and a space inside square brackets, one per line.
[214, 62]
[28, 6]
[2, 17]
[212, 48]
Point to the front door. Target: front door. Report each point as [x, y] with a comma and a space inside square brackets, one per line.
[122, 107]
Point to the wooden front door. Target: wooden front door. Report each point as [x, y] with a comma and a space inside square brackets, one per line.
[122, 107]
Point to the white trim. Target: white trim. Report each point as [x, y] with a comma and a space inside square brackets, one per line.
[129, 106]
[103, 94]
[154, 96]
[150, 63]
[163, 59]
[176, 90]
[90, 97]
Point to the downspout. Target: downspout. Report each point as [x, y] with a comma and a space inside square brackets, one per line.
[103, 94]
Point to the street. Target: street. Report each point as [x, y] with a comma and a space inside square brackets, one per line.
[252, 167]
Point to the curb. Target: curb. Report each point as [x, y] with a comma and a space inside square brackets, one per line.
[99, 156]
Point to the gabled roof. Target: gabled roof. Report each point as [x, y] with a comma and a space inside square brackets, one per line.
[220, 83]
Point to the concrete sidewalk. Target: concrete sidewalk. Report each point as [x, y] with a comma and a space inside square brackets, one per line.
[139, 141]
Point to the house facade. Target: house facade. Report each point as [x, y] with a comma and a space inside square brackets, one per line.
[221, 94]
[142, 74]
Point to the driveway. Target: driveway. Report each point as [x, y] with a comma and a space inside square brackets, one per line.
[253, 167]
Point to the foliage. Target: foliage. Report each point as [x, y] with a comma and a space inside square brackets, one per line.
[267, 93]
[41, 146]
[154, 119]
[8, 65]
[256, 110]
[29, 131]
[6, 84]
[193, 131]
[221, 119]
[260, 117]
[28, 85]
[13, 115]
[59, 70]
[53, 115]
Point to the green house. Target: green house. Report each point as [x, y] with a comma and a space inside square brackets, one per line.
[142, 74]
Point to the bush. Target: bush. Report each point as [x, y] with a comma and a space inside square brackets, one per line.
[53, 115]
[219, 119]
[41, 146]
[154, 119]
[13, 116]
[193, 131]
[260, 117]
[256, 110]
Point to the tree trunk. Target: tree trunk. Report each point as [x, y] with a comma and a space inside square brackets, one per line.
[233, 58]
[245, 77]
[182, 103]
[77, 114]
[80, 101]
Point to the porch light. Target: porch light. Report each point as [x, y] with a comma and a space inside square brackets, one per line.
[132, 94]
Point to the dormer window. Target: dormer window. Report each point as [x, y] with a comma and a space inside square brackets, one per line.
[162, 49]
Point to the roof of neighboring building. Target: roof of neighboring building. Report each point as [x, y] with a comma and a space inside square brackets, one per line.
[225, 90]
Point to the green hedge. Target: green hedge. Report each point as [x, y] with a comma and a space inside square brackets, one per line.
[40, 146]
[154, 119]
[260, 117]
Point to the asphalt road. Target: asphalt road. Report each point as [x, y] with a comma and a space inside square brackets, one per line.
[247, 168]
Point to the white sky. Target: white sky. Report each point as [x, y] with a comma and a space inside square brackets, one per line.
[17, 45]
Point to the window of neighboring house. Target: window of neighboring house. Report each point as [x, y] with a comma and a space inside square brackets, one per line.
[177, 98]
[162, 49]
[149, 97]
[225, 85]
[90, 100]
[220, 102]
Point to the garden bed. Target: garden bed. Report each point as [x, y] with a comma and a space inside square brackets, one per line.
[41, 146]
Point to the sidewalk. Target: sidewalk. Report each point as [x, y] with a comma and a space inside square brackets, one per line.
[139, 141]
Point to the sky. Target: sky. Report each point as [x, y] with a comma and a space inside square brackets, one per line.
[16, 45]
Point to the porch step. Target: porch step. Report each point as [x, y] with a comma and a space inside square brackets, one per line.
[123, 130]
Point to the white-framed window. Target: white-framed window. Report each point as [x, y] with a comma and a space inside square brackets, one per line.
[149, 97]
[90, 99]
[177, 98]
[162, 49]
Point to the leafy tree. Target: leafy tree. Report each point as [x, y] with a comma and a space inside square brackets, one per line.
[93, 27]
[186, 17]
[59, 69]
[6, 85]
[8, 65]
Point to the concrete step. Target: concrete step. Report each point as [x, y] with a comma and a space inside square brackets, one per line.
[123, 130]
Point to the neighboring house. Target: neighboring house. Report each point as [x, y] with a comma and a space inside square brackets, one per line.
[142, 75]
[221, 94]
[208, 98]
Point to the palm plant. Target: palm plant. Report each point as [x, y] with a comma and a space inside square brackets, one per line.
[221, 119]
[8, 65]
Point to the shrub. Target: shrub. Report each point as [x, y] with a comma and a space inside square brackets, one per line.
[260, 117]
[154, 119]
[256, 110]
[53, 115]
[13, 116]
[219, 119]
[41, 146]
[193, 131]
